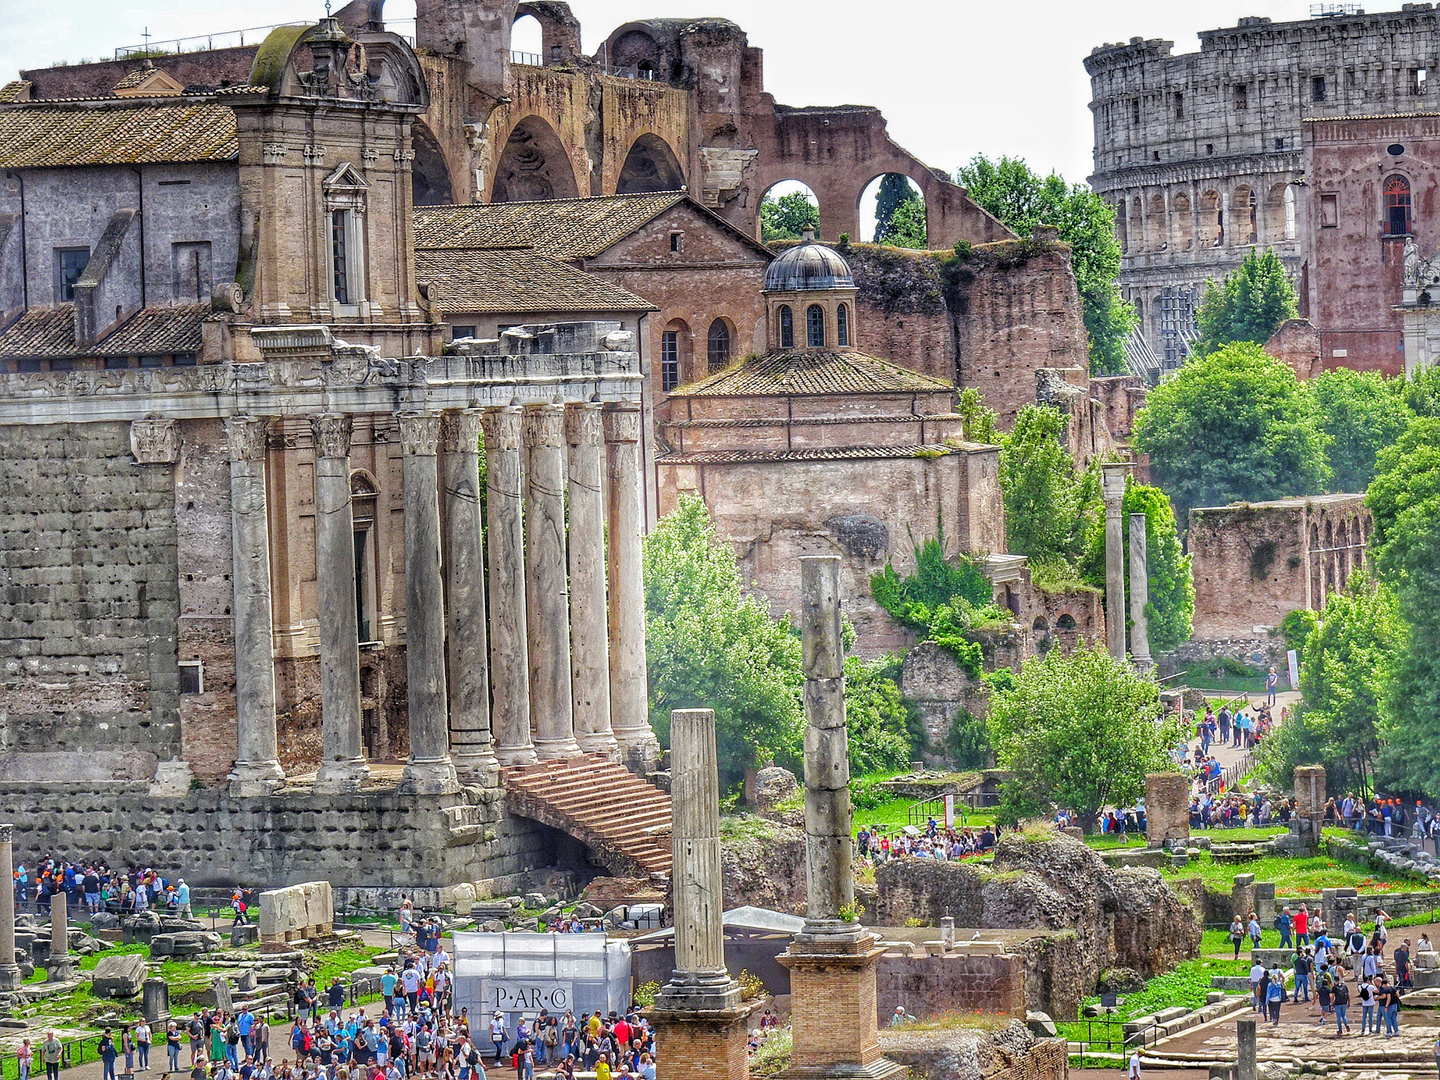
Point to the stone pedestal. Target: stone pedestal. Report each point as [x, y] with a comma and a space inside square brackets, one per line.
[547, 597]
[589, 627]
[155, 1003]
[62, 970]
[471, 746]
[10, 977]
[833, 1010]
[342, 755]
[59, 927]
[509, 667]
[1139, 595]
[1245, 1050]
[1113, 489]
[1167, 810]
[257, 759]
[429, 770]
[1310, 795]
[629, 689]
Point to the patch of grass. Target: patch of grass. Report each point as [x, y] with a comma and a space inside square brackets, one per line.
[87, 963]
[958, 1021]
[1292, 877]
[1186, 986]
[773, 1057]
[746, 827]
[342, 962]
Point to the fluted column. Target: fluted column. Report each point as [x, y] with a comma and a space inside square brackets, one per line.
[1139, 594]
[1113, 489]
[509, 673]
[469, 683]
[257, 758]
[589, 632]
[10, 976]
[429, 769]
[547, 603]
[629, 688]
[342, 756]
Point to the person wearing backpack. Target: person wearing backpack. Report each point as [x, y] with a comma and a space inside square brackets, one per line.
[1302, 974]
[1340, 997]
[1325, 989]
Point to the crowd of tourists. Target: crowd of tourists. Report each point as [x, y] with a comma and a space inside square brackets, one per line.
[92, 886]
[1383, 816]
[1344, 969]
[935, 841]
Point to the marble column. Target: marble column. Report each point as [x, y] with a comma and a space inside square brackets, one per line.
[589, 629]
[466, 649]
[1113, 490]
[629, 685]
[698, 1013]
[509, 676]
[547, 601]
[342, 755]
[1139, 595]
[429, 769]
[59, 927]
[257, 758]
[10, 976]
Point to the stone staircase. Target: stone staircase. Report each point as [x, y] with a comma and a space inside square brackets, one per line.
[624, 821]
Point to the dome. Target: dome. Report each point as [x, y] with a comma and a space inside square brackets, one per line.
[809, 267]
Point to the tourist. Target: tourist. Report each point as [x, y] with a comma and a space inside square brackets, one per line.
[127, 1047]
[1302, 968]
[1402, 965]
[498, 1036]
[1258, 974]
[108, 1054]
[1254, 930]
[142, 1044]
[50, 1052]
[1283, 923]
[1133, 1068]
[23, 1057]
[1365, 991]
[1274, 995]
[1389, 1006]
[172, 1047]
[1340, 999]
[1237, 934]
[1324, 988]
[1302, 926]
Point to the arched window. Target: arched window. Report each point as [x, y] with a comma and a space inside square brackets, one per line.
[815, 326]
[842, 325]
[787, 327]
[719, 344]
[1397, 206]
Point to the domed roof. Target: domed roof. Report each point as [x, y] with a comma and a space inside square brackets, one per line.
[809, 267]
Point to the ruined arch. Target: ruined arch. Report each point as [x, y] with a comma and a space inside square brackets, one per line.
[1156, 227]
[1243, 214]
[780, 189]
[1211, 220]
[1121, 232]
[867, 203]
[559, 30]
[1280, 213]
[635, 53]
[650, 166]
[430, 174]
[1183, 223]
[1137, 223]
[533, 165]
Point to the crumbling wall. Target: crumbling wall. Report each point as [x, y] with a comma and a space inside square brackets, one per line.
[763, 864]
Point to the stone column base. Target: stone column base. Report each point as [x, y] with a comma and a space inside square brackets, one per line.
[518, 755]
[429, 776]
[832, 1005]
[602, 744]
[639, 750]
[339, 777]
[255, 778]
[11, 977]
[556, 749]
[482, 769]
[701, 1045]
[172, 779]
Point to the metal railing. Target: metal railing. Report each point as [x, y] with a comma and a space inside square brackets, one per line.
[226, 39]
[1113, 1033]
[919, 813]
[533, 59]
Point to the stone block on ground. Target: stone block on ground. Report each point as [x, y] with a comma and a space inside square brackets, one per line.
[185, 943]
[244, 934]
[119, 976]
[1041, 1024]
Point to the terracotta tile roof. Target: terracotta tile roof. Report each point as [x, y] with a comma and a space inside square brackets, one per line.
[812, 371]
[562, 228]
[135, 78]
[518, 280]
[821, 453]
[18, 90]
[49, 333]
[40, 137]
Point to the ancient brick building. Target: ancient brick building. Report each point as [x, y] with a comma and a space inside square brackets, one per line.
[1201, 154]
[1254, 563]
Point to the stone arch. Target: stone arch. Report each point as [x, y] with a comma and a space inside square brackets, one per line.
[1242, 213]
[527, 37]
[650, 166]
[867, 200]
[430, 183]
[1137, 223]
[1156, 228]
[1279, 214]
[1066, 621]
[770, 193]
[1184, 225]
[559, 30]
[636, 53]
[1122, 233]
[1210, 224]
[533, 165]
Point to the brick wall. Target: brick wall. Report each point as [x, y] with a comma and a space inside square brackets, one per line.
[930, 985]
[88, 597]
[701, 1050]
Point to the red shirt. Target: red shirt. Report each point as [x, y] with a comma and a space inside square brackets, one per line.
[622, 1034]
[1302, 922]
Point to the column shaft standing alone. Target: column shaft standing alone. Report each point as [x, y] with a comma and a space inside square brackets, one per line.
[257, 759]
[1139, 595]
[1113, 481]
[429, 768]
[342, 756]
[589, 630]
[629, 687]
[466, 649]
[547, 601]
[509, 670]
[10, 977]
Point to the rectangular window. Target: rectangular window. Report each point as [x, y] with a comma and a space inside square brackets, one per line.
[69, 265]
[1242, 97]
[1135, 111]
[669, 360]
[340, 253]
[1279, 144]
[1317, 88]
[1209, 148]
[1329, 211]
[677, 241]
[192, 676]
[1179, 105]
[1417, 80]
[459, 331]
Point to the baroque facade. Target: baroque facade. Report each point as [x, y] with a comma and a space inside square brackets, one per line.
[1201, 155]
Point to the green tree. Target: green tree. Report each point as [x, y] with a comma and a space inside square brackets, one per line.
[1345, 671]
[907, 227]
[944, 599]
[1249, 305]
[1052, 509]
[1011, 191]
[1362, 412]
[1235, 424]
[1405, 500]
[877, 719]
[710, 645]
[1077, 730]
[894, 189]
[787, 217]
[1170, 584]
[978, 422]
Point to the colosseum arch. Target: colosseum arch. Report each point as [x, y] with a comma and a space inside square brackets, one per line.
[1242, 213]
[1211, 220]
[533, 165]
[1156, 226]
[1184, 226]
[650, 166]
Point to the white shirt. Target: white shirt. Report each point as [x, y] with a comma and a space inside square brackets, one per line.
[411, 978]
[1134, 1065]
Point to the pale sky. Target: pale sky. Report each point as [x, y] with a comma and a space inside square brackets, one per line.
[953, 77]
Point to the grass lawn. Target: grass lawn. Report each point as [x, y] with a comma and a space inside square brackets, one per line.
[1185, 986]
[1293, 877]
